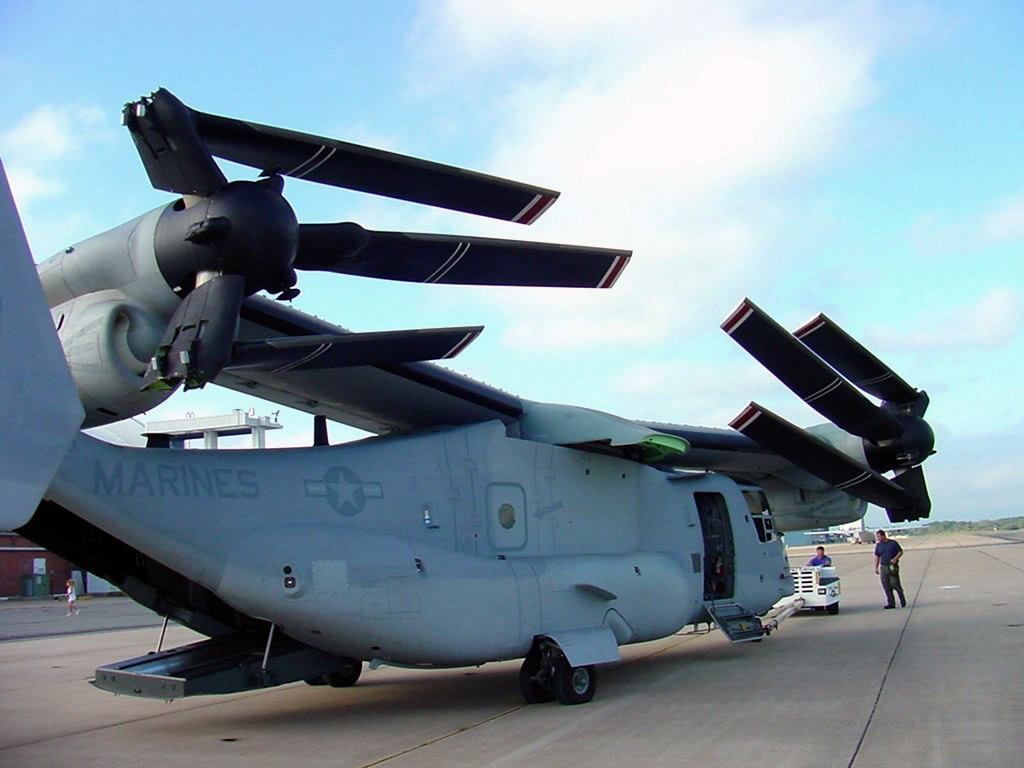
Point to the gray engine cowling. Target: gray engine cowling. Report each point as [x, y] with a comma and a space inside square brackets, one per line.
[108, 342]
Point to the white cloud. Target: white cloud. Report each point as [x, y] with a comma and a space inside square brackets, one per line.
[34, 148]
[28, 184]
[653, 124]
[975, 475]
[694, 392]
[1006, 222]
[990, 322]
[999, 221]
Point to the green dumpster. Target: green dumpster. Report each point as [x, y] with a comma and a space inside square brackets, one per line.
[40, 585]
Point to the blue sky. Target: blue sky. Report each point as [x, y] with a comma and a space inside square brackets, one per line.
[863, 159]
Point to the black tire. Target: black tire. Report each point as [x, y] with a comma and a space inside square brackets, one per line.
[346, 676]
[533, 685]
[315, 680]
[573, 685]
[833, 609]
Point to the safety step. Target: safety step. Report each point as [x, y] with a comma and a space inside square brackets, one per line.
[227, 664]
[736, 622]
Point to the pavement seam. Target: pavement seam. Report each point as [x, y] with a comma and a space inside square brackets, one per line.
[442, 737]
[132, 721]
[1000, 560]
[683, 638]
[892, 658]
[74, 632]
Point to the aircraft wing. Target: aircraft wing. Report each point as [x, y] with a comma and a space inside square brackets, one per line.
[722, 450]
[403, 396]
[379, 399]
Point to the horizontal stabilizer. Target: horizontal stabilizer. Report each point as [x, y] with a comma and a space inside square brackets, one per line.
[40, 412]
[301, 353]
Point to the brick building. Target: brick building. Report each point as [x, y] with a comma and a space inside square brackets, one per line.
[22, 561]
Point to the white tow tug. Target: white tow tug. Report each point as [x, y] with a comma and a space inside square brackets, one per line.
[818, 586]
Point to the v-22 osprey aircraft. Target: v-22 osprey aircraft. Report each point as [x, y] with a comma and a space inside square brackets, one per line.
[477, 525]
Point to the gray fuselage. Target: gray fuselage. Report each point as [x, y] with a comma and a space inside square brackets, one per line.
[449, 547]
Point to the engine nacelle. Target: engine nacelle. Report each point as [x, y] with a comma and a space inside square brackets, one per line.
[110, 304]
[108, 342]
[122, 259]
[798, 509]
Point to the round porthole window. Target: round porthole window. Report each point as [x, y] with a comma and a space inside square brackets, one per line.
[506, 516]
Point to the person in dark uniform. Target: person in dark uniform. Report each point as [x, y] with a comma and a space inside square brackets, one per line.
[820, 558]
[887, 565]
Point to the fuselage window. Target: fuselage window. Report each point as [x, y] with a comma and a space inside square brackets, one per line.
[760, 515]
[506, 516]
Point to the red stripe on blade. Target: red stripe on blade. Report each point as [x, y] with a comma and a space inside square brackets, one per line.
[534, 209]
[746, 418]
[466, 341]
[810, 327]
[735, 320]
[613, 272]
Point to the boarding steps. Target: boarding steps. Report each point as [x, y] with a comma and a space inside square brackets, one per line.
[227, 664]
[736, 622]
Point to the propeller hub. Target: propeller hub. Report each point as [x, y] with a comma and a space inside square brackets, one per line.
[246, 228]
[908, 450]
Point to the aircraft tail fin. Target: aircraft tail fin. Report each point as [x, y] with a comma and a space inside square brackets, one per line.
[40, 412]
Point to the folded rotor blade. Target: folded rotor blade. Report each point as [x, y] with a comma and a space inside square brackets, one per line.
[198, 340]
[172, 152]
[807, 375]
[855, 362]
[299, 353]
[425, 258]
[912, 480]
[820, 459]
[340, 164]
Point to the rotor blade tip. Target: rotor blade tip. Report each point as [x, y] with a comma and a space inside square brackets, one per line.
[533, 209]
[746, 417]
[812, 325]
[739, 315]
[466, 340]
[617, 267]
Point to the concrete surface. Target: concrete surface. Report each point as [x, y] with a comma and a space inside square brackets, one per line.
[27, 618]
[938, 683]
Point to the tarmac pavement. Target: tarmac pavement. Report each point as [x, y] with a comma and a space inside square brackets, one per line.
[938, 683]
[27, 618]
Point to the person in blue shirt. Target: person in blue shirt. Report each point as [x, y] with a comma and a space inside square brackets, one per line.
[820, 558]
[887, 565]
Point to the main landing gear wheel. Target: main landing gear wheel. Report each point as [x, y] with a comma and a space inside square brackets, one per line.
[546, 675]
[574, 685]
[343, 677]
